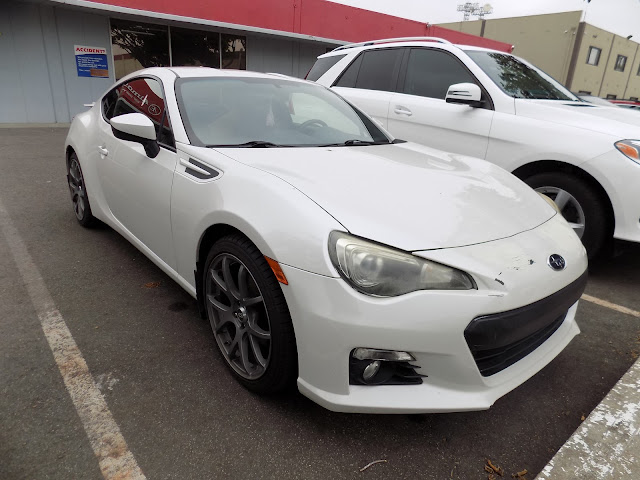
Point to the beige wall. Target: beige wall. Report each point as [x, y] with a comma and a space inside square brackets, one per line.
[633, 88]
[587, 77]
[473, 27]
[544, 40]
[616, 82]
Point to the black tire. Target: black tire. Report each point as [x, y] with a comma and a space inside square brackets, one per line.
[235, 325]
[77, 188]
[598, 230]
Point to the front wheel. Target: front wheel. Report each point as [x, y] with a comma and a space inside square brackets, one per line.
[580, 205]
[78, 192]
[249, 316]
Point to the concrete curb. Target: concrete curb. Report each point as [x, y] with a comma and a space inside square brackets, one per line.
[607, 444]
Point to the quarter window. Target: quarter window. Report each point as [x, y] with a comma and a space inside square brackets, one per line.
[140, 95]
[430, 73]
[594, 56]
[621, 63]
[322, 65]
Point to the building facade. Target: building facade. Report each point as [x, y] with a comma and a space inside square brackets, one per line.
[57, 55]
[585, 58]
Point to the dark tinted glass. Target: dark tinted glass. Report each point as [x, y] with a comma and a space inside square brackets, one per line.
[195, 47]
[378, 69]
[322, 65]
[234, 52]
[518, 79]
[138, 45]
[430, 73]
[141, 95]
[350, 75]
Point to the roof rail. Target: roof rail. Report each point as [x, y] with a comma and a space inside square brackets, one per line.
[389, 40]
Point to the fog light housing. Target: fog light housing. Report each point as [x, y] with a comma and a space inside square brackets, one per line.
[371, 366]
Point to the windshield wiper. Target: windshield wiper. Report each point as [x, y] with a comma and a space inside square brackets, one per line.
[251, 144]
[355, 142]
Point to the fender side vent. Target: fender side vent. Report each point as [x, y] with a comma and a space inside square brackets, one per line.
[200, 170]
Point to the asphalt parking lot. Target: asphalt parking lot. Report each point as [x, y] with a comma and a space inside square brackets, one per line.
[183, 416]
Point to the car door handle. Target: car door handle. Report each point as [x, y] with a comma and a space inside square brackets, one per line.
[103, 151]
[400, 110]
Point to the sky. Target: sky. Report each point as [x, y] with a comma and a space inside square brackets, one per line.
[618, 16]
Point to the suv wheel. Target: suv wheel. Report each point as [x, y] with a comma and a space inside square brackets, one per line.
[580, 205]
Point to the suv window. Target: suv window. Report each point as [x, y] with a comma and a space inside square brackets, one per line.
[322, 65]
[140, 95]
[430, 73]
[373, 70]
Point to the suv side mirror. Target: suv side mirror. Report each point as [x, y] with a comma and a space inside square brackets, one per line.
[466, 94]
[136, 127]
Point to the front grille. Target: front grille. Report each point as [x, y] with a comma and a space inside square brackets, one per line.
[499, 340]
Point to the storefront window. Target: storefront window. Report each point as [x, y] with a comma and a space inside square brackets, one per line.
[141, 45]
[234, 52]
[138, 45]
[195, 47]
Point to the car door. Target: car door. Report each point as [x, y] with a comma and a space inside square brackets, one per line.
[369, 81]
[137, 189]
[418, 111]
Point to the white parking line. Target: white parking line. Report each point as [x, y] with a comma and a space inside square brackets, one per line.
[114, 457]
[612, 306]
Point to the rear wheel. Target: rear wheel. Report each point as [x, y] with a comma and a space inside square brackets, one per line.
[249, 316]
[580, 205]
[78, 191]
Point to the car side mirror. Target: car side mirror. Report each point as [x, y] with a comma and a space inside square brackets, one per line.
[465, 94]
[136, 127]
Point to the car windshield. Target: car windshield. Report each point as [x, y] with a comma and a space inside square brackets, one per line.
[518, 79]
[269, 112]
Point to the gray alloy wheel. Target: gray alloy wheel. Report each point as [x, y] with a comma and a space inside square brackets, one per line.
[568, 205]
[76, 186]
[238, 316]
[78, 192]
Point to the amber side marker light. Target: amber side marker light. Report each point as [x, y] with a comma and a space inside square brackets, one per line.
[277, 271]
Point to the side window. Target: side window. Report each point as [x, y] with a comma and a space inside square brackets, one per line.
[373, 70]
[322, 65]
[430, 73]
[141, 95]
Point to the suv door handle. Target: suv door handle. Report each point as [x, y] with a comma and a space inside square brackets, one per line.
[400, 110]
[103, 151]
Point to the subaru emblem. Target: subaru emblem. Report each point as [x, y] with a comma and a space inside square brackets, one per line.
[556, 262]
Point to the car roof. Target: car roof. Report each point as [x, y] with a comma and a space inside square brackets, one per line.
[195, 72]
[359, 47]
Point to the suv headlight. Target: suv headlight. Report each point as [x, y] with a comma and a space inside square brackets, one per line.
[629, 148]
[382, 271]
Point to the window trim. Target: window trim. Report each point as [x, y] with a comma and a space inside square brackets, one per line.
[591, 47]
[166, 109]
[624, 64]
[405, 65]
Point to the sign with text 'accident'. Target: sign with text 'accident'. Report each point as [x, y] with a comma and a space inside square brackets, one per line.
[91, 61]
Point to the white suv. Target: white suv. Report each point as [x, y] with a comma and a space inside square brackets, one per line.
[492, 105]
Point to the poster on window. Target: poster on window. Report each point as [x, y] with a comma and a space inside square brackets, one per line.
[91, 61]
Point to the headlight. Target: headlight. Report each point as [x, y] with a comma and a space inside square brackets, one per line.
[386, 272]
[630, 148]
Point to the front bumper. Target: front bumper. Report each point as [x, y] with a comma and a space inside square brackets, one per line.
[620, 178]
[331, 319]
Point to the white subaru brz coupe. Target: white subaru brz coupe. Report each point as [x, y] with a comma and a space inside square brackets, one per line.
[383, 275]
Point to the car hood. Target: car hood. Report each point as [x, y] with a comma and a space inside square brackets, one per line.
[406, 195]
[616, 121]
